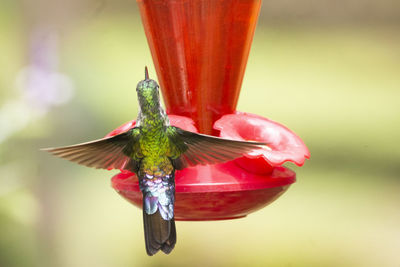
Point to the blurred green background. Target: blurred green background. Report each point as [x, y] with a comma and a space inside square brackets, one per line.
[328, 70]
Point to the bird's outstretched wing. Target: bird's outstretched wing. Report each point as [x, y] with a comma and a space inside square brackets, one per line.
[193, 149]
[108, 153]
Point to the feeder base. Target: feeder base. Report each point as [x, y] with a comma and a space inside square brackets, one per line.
[234, 192]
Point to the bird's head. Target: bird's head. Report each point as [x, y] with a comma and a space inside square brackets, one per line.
[148, 94]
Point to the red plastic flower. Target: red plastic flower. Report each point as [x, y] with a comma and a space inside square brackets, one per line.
[283, 144]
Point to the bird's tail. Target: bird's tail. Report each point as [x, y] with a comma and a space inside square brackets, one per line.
[158, 212]
[159, 234]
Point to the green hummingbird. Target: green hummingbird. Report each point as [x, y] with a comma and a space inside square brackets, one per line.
[154, 150]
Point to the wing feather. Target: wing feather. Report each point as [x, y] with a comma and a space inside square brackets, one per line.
[107, 153]
[203, 149]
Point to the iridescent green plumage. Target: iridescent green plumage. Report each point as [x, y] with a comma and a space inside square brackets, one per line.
[154, 150]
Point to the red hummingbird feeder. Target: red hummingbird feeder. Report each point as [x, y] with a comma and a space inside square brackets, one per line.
[200, 50]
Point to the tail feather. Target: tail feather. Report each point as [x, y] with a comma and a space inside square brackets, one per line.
[159, 234]
[169, 245]
[158, 212]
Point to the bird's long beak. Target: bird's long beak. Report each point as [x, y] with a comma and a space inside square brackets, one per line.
[146, 73]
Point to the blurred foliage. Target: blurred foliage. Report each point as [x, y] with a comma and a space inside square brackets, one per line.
[337, 86]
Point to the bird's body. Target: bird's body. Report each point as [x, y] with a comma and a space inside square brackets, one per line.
[155, 171]
[154, 150]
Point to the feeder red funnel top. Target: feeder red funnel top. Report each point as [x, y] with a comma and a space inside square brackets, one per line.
[200, 50]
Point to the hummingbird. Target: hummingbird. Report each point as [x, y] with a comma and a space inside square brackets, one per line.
[154, 150]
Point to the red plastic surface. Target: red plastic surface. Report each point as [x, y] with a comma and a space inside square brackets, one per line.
[215, 192]
[223, 191]
[200, 50]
